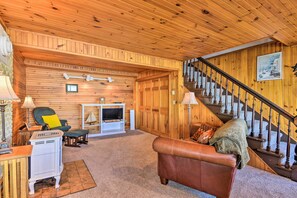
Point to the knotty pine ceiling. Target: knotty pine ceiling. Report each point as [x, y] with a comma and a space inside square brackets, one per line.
[176, 29]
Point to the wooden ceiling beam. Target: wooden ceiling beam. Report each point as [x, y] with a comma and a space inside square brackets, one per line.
[76, 68]
[51, 43]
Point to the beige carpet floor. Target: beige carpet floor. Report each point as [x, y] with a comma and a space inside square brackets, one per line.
[126, 166]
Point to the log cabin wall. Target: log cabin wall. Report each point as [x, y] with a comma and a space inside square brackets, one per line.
[243, 66]
[19, 86]
[47, 88]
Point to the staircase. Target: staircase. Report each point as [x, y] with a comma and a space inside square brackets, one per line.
[269, 125]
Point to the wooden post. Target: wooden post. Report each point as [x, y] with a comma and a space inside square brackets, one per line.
[261, 120]
[198, 75]
[287, 163]
[180, 108]
[269, 130]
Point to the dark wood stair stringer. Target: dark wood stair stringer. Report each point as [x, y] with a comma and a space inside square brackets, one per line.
[266, 138]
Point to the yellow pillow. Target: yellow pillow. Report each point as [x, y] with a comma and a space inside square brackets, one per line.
[52, 121]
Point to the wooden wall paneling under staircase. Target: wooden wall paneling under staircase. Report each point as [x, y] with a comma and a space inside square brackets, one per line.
[257, 162]
[47, 88]
[19, 86]
[199, 113]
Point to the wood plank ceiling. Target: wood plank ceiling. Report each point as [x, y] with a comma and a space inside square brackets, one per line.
[176, 29]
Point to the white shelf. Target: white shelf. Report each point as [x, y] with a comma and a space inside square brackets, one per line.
[105, 127]
[91, 125]
[106, 133]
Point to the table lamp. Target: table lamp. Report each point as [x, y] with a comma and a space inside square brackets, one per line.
[6, 94]
[28, 104]
[189, 99]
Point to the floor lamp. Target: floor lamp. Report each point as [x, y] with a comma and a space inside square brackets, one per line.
[189, 99]
[6, 94]
[28, 104]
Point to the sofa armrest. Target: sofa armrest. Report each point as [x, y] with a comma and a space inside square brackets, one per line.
[64, 122]
[193, 150]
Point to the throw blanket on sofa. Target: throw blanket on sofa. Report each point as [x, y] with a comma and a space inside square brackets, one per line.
[231, 138]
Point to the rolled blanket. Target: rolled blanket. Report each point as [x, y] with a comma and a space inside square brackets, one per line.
[231, 139]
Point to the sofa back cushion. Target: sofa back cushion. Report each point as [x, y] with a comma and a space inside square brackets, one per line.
[38, 112]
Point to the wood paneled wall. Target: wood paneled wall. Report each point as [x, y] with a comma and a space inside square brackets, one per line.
[257, 162]
[50, 44]
[243, 66]
[199, 113]
[47, 88]
[19, 86]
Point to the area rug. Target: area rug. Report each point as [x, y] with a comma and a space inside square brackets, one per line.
[74, 178]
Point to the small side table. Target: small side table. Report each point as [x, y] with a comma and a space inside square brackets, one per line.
[25, 134]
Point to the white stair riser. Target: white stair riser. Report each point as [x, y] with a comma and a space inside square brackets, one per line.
[257, 125]
[249, 115]
[283, 149]
[234, 108]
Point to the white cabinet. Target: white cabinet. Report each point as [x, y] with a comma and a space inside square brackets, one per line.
[111, 119]
[46, 158]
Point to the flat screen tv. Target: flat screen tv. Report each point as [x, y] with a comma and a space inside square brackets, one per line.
[112, 114]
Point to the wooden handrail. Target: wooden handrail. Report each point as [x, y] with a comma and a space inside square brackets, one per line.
[269, 103]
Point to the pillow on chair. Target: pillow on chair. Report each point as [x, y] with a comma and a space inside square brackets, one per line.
[197, 134]
[52, 121]
[205, 136]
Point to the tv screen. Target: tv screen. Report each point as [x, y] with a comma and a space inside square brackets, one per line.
[112, 114]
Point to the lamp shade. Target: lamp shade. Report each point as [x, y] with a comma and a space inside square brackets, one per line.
[189, 98]
[6, 91]
[28, 103]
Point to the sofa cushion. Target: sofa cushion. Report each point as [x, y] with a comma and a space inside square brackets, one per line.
[52, 121]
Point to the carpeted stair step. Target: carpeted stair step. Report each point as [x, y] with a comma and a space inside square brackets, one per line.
[229, 108]
[254, 141]
[273, 137]
[256, 125]
[283, 149]
[223, 98]
[207, 84]
[249, 115]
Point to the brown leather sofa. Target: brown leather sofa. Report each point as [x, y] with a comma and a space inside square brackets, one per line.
[195, 165]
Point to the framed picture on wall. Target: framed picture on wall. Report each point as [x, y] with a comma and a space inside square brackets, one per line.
[269, 66]
[71, 88]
